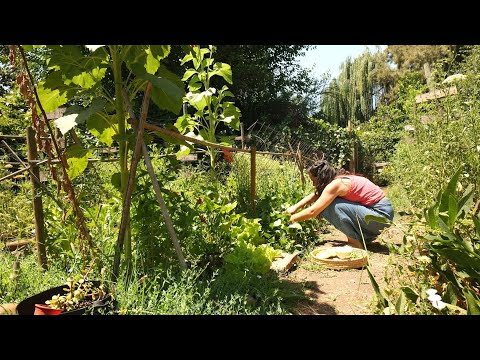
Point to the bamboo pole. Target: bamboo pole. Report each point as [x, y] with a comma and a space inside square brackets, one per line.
[37, 179]
[179, 136]
[163, 206]
[37, 201]
[131, 180]
[6, 137]
[158, 193]
[56, 161]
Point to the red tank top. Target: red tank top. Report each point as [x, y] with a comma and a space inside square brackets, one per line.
[363, 191]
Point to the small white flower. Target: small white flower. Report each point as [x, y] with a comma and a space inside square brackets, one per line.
[435, 299]
[259, 276]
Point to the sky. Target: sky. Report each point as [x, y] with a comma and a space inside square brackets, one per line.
[329, 57]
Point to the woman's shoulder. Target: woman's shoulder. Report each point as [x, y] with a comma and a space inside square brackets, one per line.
[341, 184]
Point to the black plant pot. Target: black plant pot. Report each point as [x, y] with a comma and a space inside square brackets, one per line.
[27, 306]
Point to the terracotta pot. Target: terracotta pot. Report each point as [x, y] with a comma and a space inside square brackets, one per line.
[43, 309]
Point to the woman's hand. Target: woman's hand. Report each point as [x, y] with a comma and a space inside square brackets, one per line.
[291, 209]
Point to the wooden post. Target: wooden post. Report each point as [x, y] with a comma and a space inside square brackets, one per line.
[242, 135]
[37, 200]
[300, 165]
[253, 173]
[428, 76]
[297, 161]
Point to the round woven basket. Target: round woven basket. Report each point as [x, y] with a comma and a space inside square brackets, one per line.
[336, 263]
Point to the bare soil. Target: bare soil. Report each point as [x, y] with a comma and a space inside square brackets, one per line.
[342, 292]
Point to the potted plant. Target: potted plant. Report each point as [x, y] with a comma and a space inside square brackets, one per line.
[78, 296]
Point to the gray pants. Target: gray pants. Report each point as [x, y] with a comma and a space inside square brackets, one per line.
[343, 215]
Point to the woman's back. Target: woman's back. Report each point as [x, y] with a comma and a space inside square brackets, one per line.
[362, 191]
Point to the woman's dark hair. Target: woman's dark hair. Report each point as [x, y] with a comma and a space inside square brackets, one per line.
[323, 174]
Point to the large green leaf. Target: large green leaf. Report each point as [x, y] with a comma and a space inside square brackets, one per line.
[382, 299]
[400, 304]
[452, 210]
[476, 221]
[167, 90]
[194, 84]
[466, 201]
[188, 74]
[75, 115]
[410, 294]
[84, 71]
[224, 70]
[450, 295]
[103, 126]
[473, 304]
[160, 51]
[77, 160]
[379, 219]
[231, 115]
[462, 260]
[136, 60]
[184, 150]
[295, 225]
[65, 123]
[185, 123]
[152, 63]
[50, 99]
[450, 189]
[199, 100]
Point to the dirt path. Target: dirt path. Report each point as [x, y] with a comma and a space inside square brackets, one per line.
[342, 292]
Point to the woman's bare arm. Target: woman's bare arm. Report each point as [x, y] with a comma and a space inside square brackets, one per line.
[331, 191]
[306, 200]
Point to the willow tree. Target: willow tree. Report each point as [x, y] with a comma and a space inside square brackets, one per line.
[350, 98]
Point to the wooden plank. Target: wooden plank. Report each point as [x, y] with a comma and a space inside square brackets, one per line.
[8, 309]
[436, 94]
[56, 114]
[189, 157]
[381, 164]
[285, 262]
[14, 245]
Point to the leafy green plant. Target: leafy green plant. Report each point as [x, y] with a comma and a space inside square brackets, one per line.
[79, 293]
[249, 257]
[453, 243]
[211, 107]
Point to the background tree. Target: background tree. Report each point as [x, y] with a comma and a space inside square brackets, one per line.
[269, 83]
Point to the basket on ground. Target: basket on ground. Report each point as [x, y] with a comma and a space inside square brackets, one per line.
[357, 259]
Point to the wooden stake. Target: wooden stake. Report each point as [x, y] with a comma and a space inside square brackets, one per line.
[242, 134]
[127, 201]
[156, 188]
[37, 201]
[300, 165]
[163, 206]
